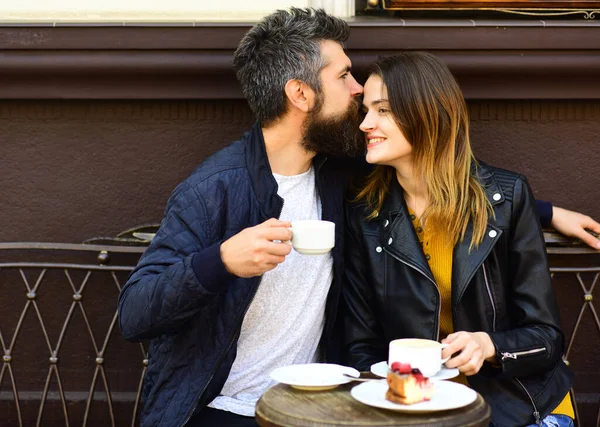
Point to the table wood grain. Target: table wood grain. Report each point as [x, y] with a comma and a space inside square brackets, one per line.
[284, 406]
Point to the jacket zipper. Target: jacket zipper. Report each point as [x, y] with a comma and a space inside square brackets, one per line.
[243, 316]
[439, 306]
[489, 290]
[218, 365]
[516, 354]
[536, 414]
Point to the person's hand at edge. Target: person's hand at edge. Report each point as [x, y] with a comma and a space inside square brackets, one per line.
[575, 224]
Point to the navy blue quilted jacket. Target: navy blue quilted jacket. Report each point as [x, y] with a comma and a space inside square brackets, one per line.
[180, 295]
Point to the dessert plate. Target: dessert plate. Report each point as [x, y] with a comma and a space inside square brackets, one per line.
[381, 369]
[446, 395]
[314, 376]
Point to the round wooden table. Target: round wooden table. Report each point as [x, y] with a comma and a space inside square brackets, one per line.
[285, 406]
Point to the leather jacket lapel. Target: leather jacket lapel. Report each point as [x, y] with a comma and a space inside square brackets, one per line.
[400, 240]
[398, 235]
[466, 263]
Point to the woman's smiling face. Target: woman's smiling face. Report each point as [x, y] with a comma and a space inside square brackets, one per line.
[386, 144]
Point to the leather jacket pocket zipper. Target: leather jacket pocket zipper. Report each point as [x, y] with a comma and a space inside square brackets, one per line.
[515, 355]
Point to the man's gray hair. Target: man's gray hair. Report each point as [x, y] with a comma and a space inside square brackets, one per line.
[283, 46]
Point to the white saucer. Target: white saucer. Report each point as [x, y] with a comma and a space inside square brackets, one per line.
[447, 395]
[381, 369]
[314, 376]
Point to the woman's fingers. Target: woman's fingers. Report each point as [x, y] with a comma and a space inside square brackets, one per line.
[473, 365]
[467, 351]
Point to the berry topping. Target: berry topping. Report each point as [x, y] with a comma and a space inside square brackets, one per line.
[405, 368]
[419, 377]
[401, 368]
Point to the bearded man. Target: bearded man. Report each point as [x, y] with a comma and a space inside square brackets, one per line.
[219, 293]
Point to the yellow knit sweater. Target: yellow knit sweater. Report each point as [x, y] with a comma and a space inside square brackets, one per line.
[438, 253]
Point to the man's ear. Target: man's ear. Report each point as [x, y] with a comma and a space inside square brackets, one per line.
[299, 95]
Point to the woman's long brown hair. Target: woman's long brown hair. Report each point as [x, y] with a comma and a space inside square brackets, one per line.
[431, 112]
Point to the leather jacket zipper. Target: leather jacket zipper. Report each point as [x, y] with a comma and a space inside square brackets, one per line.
[439, 305]
[218, 365]
[536, 414]
[517, 354]
[489, 290]
[514, 355]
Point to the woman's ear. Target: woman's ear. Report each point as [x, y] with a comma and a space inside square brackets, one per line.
[299, 95]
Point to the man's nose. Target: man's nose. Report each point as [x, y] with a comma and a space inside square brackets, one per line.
[357, 88]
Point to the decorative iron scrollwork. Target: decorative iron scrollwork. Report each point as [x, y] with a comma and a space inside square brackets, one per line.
[587, 14]
[505, 6]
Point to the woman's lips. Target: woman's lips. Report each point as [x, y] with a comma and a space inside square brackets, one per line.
[373, 142]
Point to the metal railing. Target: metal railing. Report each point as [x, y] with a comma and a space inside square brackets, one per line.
[587, 305]
[73, 276]
[575, 270]
[65, 363]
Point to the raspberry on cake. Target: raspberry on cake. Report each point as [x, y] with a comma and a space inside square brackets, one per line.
[407, 385]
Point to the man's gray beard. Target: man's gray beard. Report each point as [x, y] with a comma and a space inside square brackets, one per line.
[338, 136]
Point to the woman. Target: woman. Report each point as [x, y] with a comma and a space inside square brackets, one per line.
[443, 247]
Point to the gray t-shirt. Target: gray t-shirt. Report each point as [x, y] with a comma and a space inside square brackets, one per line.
[285, 320]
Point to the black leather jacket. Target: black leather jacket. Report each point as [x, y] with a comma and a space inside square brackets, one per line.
[502, 287]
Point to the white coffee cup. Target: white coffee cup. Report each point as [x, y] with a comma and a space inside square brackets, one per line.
[425, 355]
[313, 237]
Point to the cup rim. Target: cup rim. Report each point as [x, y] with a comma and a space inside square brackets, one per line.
[435, 344]
[321, 222]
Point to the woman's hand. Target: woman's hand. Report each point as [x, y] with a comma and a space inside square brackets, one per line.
[473, 349]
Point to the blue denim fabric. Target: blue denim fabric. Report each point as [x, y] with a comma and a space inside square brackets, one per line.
[556, 420]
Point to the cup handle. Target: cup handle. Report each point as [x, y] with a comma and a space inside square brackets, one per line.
[447, 358]
[289, 242]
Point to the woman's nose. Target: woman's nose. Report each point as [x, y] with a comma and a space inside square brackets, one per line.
[366, 125]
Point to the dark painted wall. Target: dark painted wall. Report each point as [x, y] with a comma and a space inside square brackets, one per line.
[71, 170]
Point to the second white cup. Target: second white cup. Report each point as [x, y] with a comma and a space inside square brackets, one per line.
[426, 355]
[313, 237]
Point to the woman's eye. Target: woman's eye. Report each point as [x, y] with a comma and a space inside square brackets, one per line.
[382, 111]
